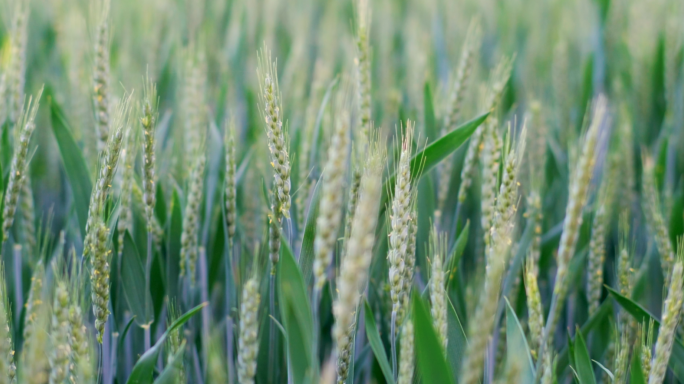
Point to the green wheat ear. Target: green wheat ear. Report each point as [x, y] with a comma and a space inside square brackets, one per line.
[25, 127]
[147, 122]
[672, 308]
[8, 368]
[248, 344]
[400, 222]
[101, 73]
[331, 205]
[230, 186]
[189, 252]
[407, 354]
[354, 269]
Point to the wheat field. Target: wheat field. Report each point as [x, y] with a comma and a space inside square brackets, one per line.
[342, 192]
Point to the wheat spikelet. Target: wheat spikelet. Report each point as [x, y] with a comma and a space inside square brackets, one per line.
[535, 213]
[193, 103]
[35, 363]
[465, 64]
[137, 197]
[99, 277]
[655, 219]
[410, 260]
[352, 201]
[498, 79]
[503, 224]
[646, 346]
[579, 188]
[17, 65]
[188, 253]
[176, 341]
[438, 295]
[672, 308]
[19, 160]
[109, 159]
[597, 256]
[354, 269]
[28, 214]
[330, 210]
[363, 75]
[277, 137]
[8, 370]
[34, 301]
[534, 305]
[622, 358]
[400, 221]
[147, 121]
[60, 332]
[101, 78]
[490, 175]
[230, 186]
[407, 358]
[248, 345]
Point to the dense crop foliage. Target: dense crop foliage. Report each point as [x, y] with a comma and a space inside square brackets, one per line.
[348, 191]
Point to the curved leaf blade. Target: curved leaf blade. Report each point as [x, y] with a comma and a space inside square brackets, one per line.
[584, 369]
[676, 362]
[134, 283]
[143, 370]
[430, 360]
[376, 343]
[296, 317]
[74, 164]
[306, 251]
[172, 370]
[516, 341]
[423, 161]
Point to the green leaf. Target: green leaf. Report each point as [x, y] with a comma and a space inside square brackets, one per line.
[134, 283]
[160, 205]
[602, 312]
[430, 359]
[516, 341]
[587, 88]
[423, 161]
[144, 368]
[661, 164]
[604, 369]
[74, 164]
[170, 373]
[123, 334]
[429, 114]
[306, 251]
[296, 316]
[376, 343]
[457, 249]
[658, 91]
[319, 119]
[585, 372]
[458, 342]
[642, 316]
